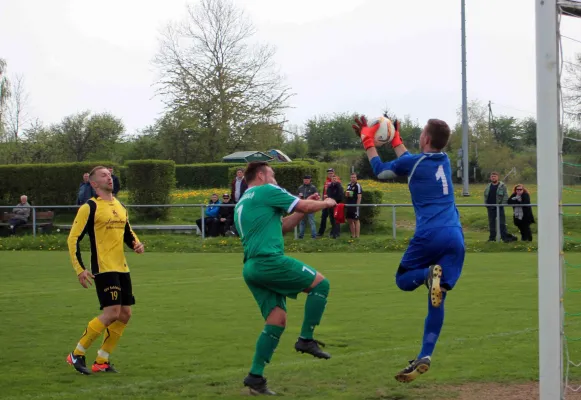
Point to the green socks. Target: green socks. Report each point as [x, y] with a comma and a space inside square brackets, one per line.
[314, 308]
[265, 346]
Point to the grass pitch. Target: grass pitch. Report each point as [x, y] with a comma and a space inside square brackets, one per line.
[195, 325]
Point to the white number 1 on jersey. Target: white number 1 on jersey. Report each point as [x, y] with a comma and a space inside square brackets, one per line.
[441, 176]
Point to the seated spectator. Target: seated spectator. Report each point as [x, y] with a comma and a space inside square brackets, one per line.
[226, 215]
[21, 214]
[211, 221]
[86, 191]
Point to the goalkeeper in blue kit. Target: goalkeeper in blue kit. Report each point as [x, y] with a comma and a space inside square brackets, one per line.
[435, 254]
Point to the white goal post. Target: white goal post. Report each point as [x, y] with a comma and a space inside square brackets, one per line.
[549, 181]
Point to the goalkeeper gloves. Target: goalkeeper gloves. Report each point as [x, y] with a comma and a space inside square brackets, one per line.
[365, 132]
[396, 141]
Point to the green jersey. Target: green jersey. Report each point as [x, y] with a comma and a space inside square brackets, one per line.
[258, 219]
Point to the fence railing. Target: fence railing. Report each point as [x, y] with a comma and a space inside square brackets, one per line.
[202, 208]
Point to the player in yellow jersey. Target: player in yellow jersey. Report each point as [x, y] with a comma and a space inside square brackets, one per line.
[105, 220]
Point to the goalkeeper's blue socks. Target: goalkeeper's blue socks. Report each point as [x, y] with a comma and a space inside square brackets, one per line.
[432, 327]
[412, 279]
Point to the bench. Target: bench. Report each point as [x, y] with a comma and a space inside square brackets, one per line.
[168, 228]
[44, 221]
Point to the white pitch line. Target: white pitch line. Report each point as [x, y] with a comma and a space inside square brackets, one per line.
[105, 388]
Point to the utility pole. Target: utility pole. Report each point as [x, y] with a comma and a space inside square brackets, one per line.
[465, 172]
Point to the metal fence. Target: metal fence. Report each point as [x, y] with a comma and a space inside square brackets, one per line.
[202, 208]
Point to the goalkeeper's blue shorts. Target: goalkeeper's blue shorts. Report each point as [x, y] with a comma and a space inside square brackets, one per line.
[442, 246]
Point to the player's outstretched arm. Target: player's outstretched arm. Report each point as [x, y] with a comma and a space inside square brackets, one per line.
[305, 207]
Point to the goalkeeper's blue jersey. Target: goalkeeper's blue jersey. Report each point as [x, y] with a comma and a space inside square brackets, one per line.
[430, 184]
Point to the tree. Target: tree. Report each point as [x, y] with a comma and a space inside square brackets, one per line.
[325, 133]
[82, 136]
[210, 70]
[16, 113]
[572, 89]
[4, 94]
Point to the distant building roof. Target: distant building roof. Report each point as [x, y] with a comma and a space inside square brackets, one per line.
[247, 156]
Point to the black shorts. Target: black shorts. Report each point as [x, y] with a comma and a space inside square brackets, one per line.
[352, 212]
[114, 288]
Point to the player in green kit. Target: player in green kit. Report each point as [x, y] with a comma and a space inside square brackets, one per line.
[270, 275]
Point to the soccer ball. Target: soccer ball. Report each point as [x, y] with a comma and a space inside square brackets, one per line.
[385, 132]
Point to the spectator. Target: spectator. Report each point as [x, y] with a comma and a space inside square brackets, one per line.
[226, 215]
[327, 213]
[211, 221]
[86, 191]
[116, 184]
[305, 190]
[335, 191]
[496, 193]
[239, 186]
[21, 214]
[354, 193]
[523, 216]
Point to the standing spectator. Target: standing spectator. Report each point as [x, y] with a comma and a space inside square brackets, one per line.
[239, 186]
[335, 192]
[327, 213]
[496, 193]
[86, 191]
[211, 221]
[523, 216]
[226, 215]
[21, 214]
[354, 193]
[305, 190]
[116, 184]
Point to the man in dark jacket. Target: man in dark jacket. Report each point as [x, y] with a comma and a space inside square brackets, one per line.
[86, 191]
[325, 213]
[226, 215]
[238, 186]
[335, 191]
[116, 184]
[305, 190]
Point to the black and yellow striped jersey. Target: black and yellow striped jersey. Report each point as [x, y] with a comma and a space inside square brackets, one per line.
[107, 224]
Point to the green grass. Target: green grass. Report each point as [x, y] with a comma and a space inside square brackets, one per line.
[195, 325]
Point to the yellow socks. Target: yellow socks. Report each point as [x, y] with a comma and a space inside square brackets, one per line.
[94, 329]
[110, 339]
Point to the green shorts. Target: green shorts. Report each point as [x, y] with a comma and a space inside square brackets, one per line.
[272, 279]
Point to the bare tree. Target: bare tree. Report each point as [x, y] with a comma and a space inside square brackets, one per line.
[572, 89]
[17, 115]
[4, 93]
[209, 68]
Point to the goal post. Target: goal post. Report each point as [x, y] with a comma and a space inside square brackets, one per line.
[549, 180]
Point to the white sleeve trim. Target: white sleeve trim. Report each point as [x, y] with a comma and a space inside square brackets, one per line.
[292, 206]
[387, 174]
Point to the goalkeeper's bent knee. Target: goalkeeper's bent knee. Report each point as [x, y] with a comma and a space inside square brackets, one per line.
[322, 289]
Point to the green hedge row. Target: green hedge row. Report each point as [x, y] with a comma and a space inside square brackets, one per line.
[150, 182]
[44, 184]
[203, 176]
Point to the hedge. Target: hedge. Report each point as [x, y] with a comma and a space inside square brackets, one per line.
[44, 184]
[202, 176]
[150, 182]
[368, 215]
[290, 176]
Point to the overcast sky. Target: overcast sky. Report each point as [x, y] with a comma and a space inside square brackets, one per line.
[337, 55]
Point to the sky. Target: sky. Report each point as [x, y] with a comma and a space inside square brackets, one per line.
[336, 55]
